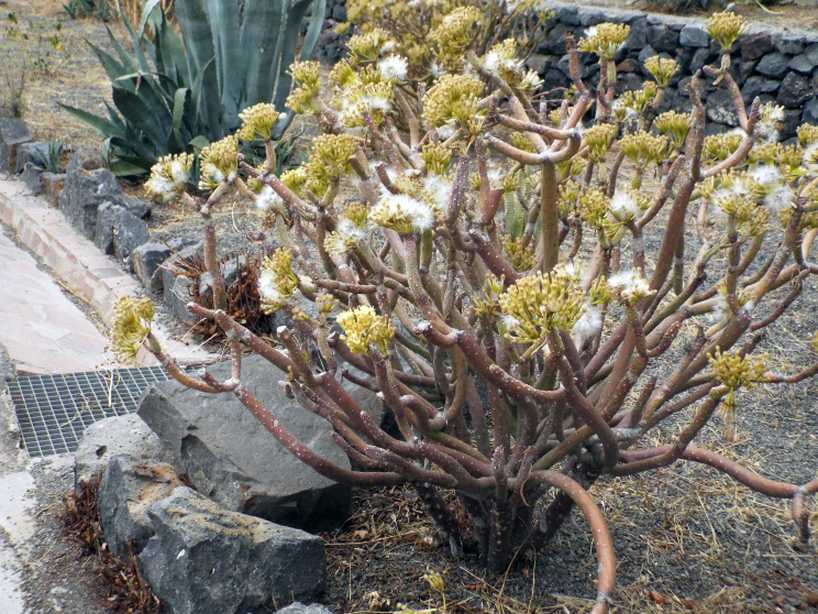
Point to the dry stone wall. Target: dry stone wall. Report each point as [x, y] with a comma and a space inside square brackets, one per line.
[775, 65]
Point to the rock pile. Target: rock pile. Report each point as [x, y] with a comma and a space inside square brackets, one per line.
[215, 511]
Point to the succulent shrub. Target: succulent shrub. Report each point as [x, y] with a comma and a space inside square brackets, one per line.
[486, 270]
[175, 92]
[430, 36]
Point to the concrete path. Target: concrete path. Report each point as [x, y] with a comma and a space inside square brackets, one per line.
[43, 331]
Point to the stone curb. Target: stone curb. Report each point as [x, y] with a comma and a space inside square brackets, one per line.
[77, 263]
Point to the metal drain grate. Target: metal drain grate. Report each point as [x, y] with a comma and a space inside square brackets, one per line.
[53, 410]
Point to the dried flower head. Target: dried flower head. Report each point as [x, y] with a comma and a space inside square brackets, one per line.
[403, 213]
[629, 286]
[131, 326]
[364, 328]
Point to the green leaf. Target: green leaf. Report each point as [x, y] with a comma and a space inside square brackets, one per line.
[199, 143]
[179, 99]
[295, 17]
[100, 124]
[147, 10]
[225, 27]
[316, 23]
[138, 113]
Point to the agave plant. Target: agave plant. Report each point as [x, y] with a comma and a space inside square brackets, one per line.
[178, 91]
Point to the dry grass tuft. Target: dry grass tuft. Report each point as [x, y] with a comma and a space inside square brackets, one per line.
[129, 593]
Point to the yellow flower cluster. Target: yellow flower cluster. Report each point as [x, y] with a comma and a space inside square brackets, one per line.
[719, 147]
[218, 162]
[455, 34]
[635, 100]
[169, 177]
[437, 157]
[364, 328]
[605, 39]
[487, 305]
[598, 139]
[538, 304]
[736, 371]
[593, 208]
[785, 157]
[454, 98]
[131, 326]
[643, 147]
[277, 281]
[661, 69]
[328, 161]
[307, 79]
[257, 122]
[807, 134]
[673, 125]
[725, 28]
[569, 192]
[369, 46]
[521, 256]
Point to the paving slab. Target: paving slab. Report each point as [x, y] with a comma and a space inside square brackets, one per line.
[44, 332]
[89, 274]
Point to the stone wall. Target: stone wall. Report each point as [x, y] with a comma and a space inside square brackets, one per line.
[332, 46]
[776, 65]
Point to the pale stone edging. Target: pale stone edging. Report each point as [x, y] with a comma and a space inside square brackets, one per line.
[88, 273]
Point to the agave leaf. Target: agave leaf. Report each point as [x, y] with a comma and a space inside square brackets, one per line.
[152, 121]
[316, 22]
[125, 59]
[179, 99]
[100, 124]
[123, 168]
[295, 17]
[196, 32]
[170, 54]
[112, 67]
[147, 10]
[225, 28]
[261, 19]
[136, 42]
